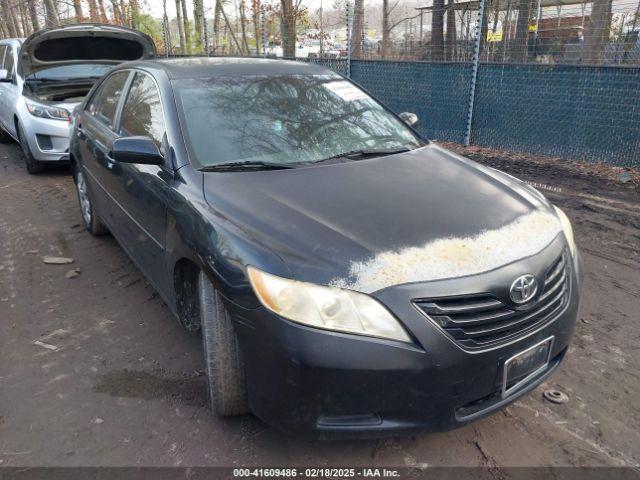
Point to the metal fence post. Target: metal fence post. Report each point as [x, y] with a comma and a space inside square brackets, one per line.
[206, 37]
[347, 7]
[474, 71]
[263, 30]
[165, 37]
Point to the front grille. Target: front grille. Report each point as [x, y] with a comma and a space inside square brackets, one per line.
[481, 321]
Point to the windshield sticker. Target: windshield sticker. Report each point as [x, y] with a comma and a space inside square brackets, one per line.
[346, 91]
[455, 256]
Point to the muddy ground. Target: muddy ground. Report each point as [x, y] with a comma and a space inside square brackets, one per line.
[114, 381]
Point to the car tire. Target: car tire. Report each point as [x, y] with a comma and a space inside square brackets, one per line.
[226, 388]
[90, 220]
[4, 136]
[33, 165]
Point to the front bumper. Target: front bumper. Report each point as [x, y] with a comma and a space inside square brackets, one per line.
[304, 379]
[48, 139]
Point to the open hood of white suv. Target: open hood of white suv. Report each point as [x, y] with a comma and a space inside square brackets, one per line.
[82, 44]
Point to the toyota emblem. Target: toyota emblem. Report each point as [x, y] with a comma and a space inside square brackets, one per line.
[523, 288]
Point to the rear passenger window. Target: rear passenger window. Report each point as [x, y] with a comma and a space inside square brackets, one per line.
[105, 102]
[142, 111]
[2, 49]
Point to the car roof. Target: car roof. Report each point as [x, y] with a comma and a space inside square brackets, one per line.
[195, 67]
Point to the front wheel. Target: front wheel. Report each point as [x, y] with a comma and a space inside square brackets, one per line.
[89, 218]
[226, 389]
[33, 165]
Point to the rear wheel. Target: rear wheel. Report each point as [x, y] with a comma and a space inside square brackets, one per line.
[33, 165]
[226, 389]
[89, 218]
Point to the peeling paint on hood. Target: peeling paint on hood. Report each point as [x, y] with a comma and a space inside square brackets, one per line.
[455, 256]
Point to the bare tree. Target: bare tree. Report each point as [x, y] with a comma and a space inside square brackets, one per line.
[357, 32]
[519, 45]
[103, 12]
[183, 41]
[437, 30]
[217, 22]
[598, 33]
[51, 15]
[388, 25]
[185, 21]
[33, 15]
[9, 20]
[230, 29]
[289, 10]
[124, 13]
[198, 24]
[134, 6]
[243, 26]
[117, 15]
[451, 30]
[24, 19]
[77, 8]
[93, 11]
[256, 12]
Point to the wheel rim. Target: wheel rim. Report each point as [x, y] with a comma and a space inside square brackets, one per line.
[85, 203]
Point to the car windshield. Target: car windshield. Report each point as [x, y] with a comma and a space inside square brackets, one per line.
[72, 72]
[283, 119]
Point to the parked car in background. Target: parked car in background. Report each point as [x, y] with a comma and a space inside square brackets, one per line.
[45, 76]
[347, 275]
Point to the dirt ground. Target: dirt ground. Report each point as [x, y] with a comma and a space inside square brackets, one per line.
[114, 381]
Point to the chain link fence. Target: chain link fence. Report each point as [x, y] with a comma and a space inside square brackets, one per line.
[546, 77]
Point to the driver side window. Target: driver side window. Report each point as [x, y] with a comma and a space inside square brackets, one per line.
[104, 103]
[142, 112]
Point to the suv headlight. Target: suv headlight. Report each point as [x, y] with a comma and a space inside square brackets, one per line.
[568, 230]
[329, 308]
[46, 111]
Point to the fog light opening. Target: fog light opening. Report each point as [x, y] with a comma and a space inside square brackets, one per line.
[359, 420]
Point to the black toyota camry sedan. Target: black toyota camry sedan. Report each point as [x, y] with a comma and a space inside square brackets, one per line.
[346, 275]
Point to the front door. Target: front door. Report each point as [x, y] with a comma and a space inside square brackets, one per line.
[9, 91]
[142, 191]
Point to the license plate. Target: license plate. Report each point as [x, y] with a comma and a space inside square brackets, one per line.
[524, 366]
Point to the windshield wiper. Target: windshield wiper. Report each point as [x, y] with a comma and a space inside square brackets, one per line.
[248, 165]
[365, 153]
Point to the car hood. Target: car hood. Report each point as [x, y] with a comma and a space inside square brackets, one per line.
[82, 44]
[370, 224]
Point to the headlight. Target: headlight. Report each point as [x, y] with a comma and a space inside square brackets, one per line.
[45, 111]
[568, 230]
[329, 308]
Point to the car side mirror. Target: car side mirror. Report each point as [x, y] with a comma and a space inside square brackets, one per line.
[141, 150]
[4, 75]
[409, 118]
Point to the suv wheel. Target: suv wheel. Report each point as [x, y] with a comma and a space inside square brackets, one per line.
[226, 389]
[89, 218]
[33, 165]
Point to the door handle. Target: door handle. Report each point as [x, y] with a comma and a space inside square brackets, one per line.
[80, 132]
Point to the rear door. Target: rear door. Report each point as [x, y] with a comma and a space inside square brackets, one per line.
[95, 136]
[141, 191]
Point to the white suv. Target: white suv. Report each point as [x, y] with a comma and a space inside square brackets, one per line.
[45, 76]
